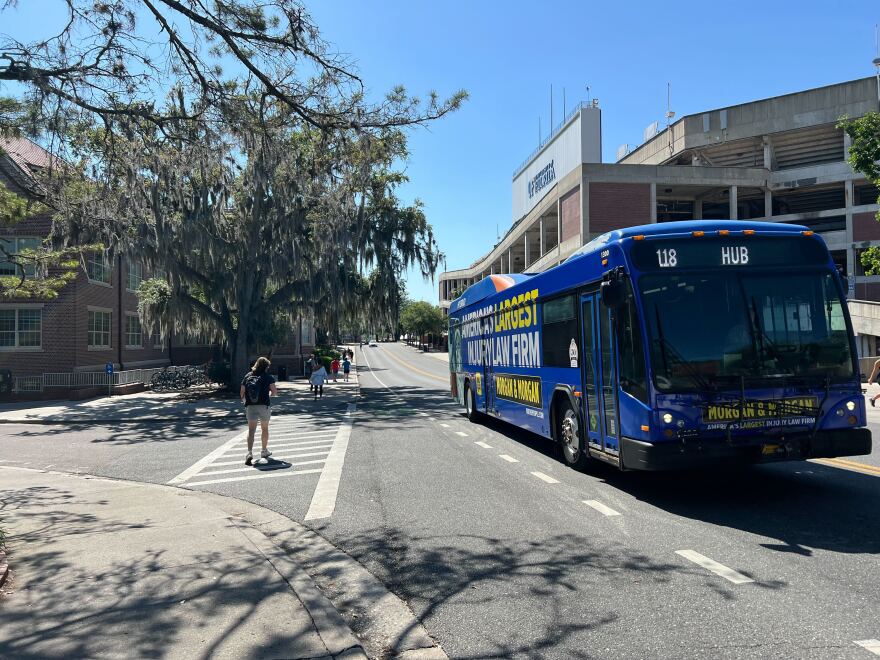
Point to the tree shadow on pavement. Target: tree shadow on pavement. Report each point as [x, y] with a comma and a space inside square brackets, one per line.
[803, 505]
[153, 603]
[534, 599]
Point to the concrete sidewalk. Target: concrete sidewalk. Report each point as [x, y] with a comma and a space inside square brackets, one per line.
[105, 568]
[153, 407]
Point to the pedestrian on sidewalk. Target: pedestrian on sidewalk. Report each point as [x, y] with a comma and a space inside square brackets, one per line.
[319, 374]
[308, 368]
[334, 367]
[257, 388]
[346, 368]
[871, 380]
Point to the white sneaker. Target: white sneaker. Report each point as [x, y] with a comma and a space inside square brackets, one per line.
[265, 453]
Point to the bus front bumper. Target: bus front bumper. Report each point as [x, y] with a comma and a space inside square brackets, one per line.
[639, 455]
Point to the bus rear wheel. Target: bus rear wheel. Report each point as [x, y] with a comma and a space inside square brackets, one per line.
[470, 403]
[571, 437]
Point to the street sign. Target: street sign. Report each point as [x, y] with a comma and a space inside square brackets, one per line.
[109, 368]
[851, 286]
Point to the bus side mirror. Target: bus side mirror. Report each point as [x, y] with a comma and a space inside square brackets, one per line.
[613, 290]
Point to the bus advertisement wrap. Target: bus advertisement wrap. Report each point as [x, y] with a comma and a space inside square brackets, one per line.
[667, 346]
[519, 389]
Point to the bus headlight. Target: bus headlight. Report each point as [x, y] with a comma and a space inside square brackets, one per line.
[667, 418]
[850, 405]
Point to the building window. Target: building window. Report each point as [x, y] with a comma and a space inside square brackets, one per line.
[21, 328]
[16, 246]
[135, 275]
[133, 337]
[99, 329]
[98, 267]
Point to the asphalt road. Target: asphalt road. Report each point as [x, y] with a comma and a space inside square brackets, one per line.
[489, 539]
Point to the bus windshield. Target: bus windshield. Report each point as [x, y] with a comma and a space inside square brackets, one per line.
[731, 329]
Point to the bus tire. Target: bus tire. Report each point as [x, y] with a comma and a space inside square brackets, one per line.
[470, 403]
[570, 436]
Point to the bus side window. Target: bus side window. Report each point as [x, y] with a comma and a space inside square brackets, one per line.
[559, 327]
[633, 375]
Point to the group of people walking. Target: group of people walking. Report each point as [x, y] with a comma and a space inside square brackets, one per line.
[319, 374]
[258, 387]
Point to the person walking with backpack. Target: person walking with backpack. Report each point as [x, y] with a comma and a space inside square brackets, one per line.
[317, 379]
[346, 367]
[257, 388]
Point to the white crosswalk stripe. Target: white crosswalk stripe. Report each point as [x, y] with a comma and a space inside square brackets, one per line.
[299, 447]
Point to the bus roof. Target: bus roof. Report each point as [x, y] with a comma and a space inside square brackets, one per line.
[684, 227]
[485, 288]
[496, 283]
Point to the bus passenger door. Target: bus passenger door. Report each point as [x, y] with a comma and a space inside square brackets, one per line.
[608, 377]
[488, 383]
[590, 402]
[599, 374]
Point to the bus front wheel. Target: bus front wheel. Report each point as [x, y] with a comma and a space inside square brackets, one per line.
[470, 403]
[570, 437]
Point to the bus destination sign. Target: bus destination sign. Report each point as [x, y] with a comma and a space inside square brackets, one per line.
[727, 252]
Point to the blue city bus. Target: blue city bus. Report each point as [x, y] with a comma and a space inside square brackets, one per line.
[668, 346]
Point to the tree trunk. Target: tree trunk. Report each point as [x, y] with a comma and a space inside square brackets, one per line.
[240, 360]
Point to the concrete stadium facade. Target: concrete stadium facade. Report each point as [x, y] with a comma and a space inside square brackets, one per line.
[780, 159]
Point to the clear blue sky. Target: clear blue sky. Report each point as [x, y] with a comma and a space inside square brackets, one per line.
[507, 54]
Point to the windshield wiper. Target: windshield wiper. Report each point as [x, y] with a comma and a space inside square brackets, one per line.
[666, 349]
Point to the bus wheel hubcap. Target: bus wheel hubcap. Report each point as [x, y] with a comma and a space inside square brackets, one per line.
[570, 435]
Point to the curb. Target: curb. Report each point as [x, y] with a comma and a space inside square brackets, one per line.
[4, 568]
[263, 527]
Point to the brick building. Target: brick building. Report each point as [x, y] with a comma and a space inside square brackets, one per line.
[94, 319]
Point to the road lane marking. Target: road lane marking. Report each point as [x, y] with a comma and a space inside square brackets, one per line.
[433, 419]
[199, 465]
[509, 459]
[480, 443]
[872, 645]
[379, 380]
[301, 434]
[278, 456]
[445, 426]
[416, 369]
[264, 475]
[324, 498]
[461, 433]
[713, 566]
[278, 466]
[281, 447]
[601, 508]
[854, 466]
[545, 477]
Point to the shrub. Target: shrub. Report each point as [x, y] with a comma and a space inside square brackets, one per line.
[219, 372]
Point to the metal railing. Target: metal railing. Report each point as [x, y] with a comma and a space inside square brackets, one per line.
[77, 379]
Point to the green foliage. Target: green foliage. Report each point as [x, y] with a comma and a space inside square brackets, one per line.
[870, 259]
[421, 318]
[154, 305]
[864, 152]
[264, 189]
